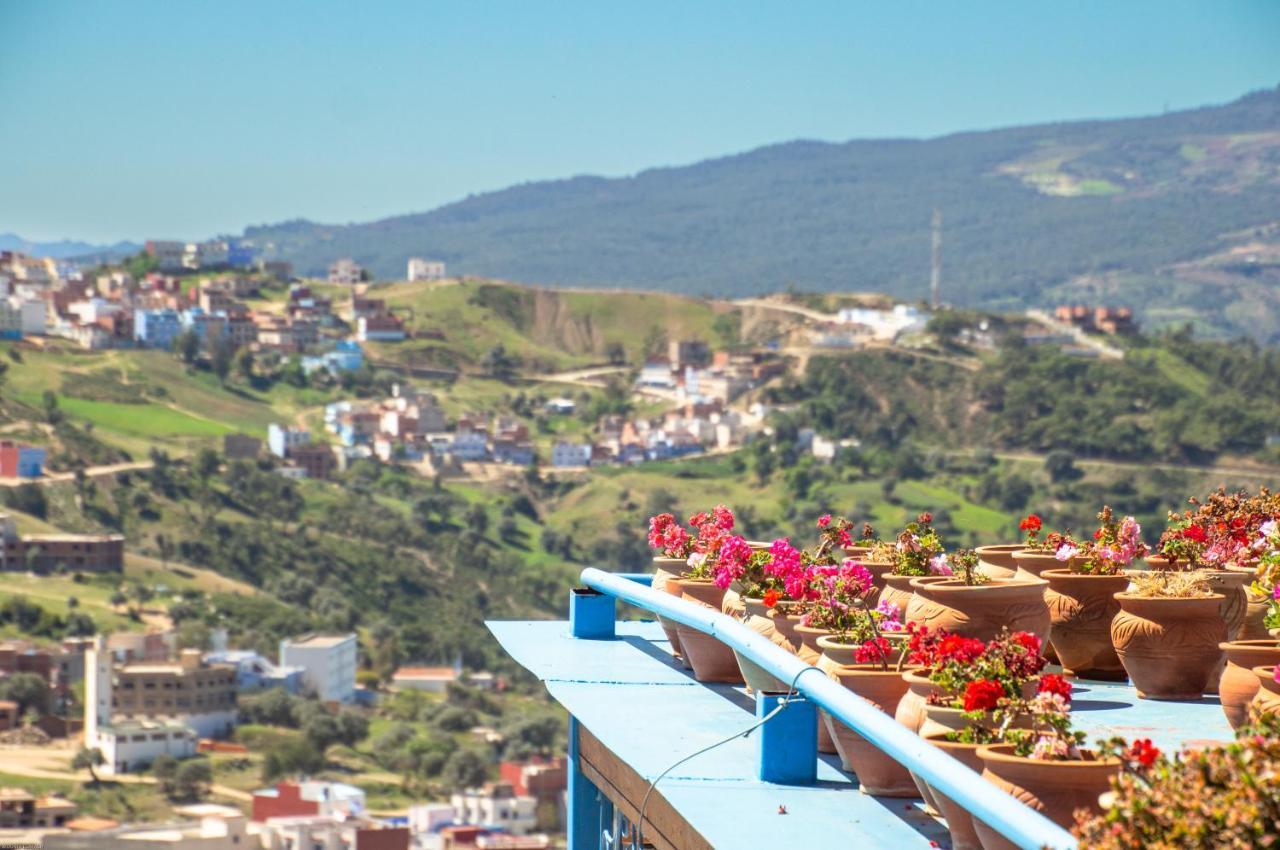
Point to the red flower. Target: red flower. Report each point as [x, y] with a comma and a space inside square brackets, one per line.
[1027, 641]
[925, 518]
[982, 695]
[770, 598]
[1196, 533]
[824, 520]
[962, 649]
[1143, 752]
[1052, 683]
[877, 649]
[1032, 523]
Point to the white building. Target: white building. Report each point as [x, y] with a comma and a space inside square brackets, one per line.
[328, 664]
[207, 826]
[168, 254]
[129, 744]
[431, 679]
[496, 804]
[421, 269]
[206, 255]
[887, 324]
[656, 375]
[571, 454]
[345, 271]
[91, 310]
[470, 445]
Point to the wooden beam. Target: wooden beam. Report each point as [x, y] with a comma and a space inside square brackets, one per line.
[664, 828]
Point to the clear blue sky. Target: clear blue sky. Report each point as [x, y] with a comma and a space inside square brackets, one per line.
[177, 118]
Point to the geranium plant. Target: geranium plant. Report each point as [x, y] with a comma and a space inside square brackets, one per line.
[699, 546]
[973, 676]
[843, 607]
[1115, 545]
[1051, 543]
[1266, 583]
[961, 564]
[1222, 795]
[917, 544]
[1218, 531]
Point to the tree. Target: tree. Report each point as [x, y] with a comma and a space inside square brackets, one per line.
[186, 346]
[49, 401]
[87, 759]
[165, 768]
[497, 363]
[221, 357]
[244, 363]
[616, 354]
[206, 464]
[28, 498]
[192, 779]
[1061, 466]
[477, 518]
[29, 690]
[466, 768]
[80, 624]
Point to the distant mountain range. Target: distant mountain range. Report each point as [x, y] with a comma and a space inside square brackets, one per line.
[1112, 209]
[1177, 215]
[64, 249]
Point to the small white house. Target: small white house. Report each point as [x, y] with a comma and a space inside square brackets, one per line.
[328, 664]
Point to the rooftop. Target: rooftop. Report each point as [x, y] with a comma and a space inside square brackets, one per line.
[320, 641]
[448, 673]
[628, 694]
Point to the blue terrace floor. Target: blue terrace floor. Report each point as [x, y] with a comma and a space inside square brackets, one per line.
[639, 705]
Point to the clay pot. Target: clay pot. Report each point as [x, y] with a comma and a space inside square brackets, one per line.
[959, 821]
[665, 569]
[1231, 584]
[1255, 611]
[1032, 564]
[1169, 647]
[1267, 699]
[837, 654]
[712, 661]
[1239, 685]
[757, 618]
[857, 552]
[997, 560]
[911, 714]
[981, 611]
[878, 773]
[916, 607]
[810, 653]
[910, 711]
[1053, 788]
[1081, 608]
[785, 626]
[897, 589]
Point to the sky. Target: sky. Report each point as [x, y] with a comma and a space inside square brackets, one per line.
[130, 120]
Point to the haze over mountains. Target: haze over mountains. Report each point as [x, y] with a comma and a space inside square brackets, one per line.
[1177, 215]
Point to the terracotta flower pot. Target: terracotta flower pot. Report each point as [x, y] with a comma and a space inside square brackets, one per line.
[1169, 647]
[1239, 685]
[664, 570]
[810, 653]
[981, 611]
[1081, 608]
[1056, 789]
[897, 589]
[1231, 584]
[838, 654]
[1032, 564]
[910, 711]
[997, 560]
[878, 774]
[959, 821]
[916, 608]
[911, 714]
[1255, 612]
[1267, 699]
[712, 660]
[757, 618]
[785, 625]
[857, 552]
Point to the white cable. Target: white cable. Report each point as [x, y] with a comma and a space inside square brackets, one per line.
[638, 826]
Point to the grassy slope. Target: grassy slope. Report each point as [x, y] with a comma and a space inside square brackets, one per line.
[585, 323]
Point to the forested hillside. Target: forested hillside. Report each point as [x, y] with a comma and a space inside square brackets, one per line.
[1111, 204]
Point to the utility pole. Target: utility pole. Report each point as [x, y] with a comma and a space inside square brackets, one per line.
[935, 276]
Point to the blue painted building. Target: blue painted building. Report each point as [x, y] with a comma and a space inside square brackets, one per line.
[156, 328]
[281, 439]
[240, 255]
[18, 461]
[254, 672]
[346, 356]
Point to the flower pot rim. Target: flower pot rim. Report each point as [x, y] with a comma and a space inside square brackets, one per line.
[1001, 547]
[1068, 573]
[917, 676]
[809, 630]
[861, 671]
[1034, 553]
[663, 559]
[1267, 673]
[945, 584]
[1126, 596]
[698, 581]
[1256, 643]
[1004, 753]
[940, 739]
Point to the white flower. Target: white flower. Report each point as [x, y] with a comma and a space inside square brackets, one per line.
[1066, 552]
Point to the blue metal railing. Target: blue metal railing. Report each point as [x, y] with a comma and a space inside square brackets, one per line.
[1023, 826]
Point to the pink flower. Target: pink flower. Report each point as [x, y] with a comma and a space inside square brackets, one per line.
[1066, 552]
[824, 520]
[938, 565]
[723, 517]
[732, 561]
